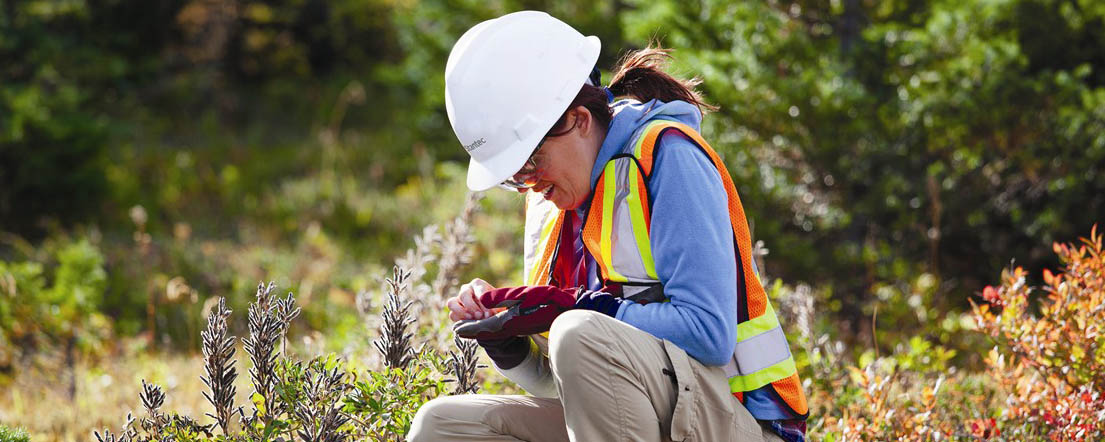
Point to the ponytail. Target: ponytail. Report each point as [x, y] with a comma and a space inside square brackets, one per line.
[640, 74]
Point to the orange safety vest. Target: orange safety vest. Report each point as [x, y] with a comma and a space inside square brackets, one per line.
[616, 234]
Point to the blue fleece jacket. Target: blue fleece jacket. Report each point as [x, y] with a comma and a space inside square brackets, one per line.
[692, 243]
[690, 236]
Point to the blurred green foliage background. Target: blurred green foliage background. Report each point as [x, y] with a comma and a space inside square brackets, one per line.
[893, 154]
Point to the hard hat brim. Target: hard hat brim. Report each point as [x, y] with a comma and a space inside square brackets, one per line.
[487, 174]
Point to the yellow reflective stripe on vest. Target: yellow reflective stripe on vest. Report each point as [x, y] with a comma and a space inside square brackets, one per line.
[546, 232]
[639, 148]
[760, 324]
[635, 201]
[610, 182]
[749, 382]
[543, 220]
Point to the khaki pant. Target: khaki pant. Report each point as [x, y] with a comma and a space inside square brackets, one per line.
[613, 387]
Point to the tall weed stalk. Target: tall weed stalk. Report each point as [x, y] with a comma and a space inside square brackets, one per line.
[455, 248]
[464, 365]
[320, 412]
[218, 357]
[394, 343]
[269, 317]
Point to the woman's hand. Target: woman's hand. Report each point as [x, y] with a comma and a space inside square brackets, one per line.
[465, 305]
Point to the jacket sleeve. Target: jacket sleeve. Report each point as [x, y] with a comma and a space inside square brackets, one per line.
[692, 245]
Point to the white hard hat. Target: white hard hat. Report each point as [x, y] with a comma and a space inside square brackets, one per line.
[507, 81]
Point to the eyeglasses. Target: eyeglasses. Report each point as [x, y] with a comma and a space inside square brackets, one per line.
[526, 177]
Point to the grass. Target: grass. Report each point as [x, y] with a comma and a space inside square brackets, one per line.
[39, 398]
[8, 434]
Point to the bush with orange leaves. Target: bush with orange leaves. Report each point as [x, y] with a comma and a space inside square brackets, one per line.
[888, 400]
[1050, 354]
[910, 394]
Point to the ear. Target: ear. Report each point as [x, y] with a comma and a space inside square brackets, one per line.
[584, 121]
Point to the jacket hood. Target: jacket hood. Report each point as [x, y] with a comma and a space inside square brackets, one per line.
[630, 115]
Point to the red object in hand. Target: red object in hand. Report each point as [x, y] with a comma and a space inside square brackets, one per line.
[529, 310]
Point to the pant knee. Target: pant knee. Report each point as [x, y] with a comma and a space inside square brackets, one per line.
[572, 334]
[572, 327]
[470, 417]
[429, 416]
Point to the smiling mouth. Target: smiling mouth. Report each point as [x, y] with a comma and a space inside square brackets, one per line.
[547, 191]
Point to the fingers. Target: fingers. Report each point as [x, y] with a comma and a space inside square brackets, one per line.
[455, 311]
[469, 299]
[466, 305]
[470, 304]
[481, 285]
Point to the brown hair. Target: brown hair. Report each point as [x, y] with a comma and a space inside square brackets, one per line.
[640, 75]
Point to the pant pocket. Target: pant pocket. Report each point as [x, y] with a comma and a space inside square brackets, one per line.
[703, 406]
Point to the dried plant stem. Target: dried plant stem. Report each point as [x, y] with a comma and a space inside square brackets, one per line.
[464, 365]
[455, 250]
[395, 341]
[126, 434]
[152, 399]
[320, 411]
[418, 259]
[269, 317]
[218, 357]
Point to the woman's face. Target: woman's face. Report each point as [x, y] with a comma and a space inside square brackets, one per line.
[564, 161]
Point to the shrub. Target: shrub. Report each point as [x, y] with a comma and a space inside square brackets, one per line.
[8, 434]
[1050, 357]
[1043, 378]
[386, 401]
[910, 395]
[323, 399]
[41, 313]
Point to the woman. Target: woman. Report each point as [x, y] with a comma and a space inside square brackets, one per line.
[671, 336]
